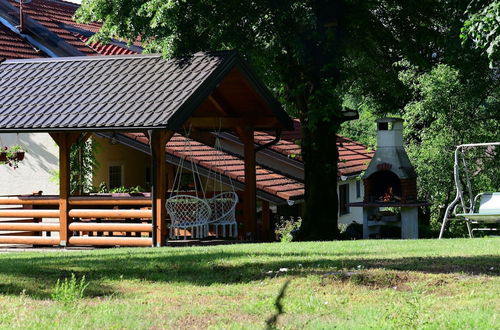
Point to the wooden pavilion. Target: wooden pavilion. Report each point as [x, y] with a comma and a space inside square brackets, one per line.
[70, 98]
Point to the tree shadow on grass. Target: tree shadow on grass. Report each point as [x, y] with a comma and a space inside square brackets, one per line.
[37, 275]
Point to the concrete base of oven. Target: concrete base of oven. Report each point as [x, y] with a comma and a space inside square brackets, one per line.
[409, 222]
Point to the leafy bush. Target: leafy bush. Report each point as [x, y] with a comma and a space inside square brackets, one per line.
[103, 188]
[286, 229]
[69, 290]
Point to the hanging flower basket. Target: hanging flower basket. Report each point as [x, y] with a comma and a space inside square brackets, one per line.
[12, 156]
[19, 156]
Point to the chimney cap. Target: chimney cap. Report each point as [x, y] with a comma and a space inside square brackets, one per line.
[389, 120]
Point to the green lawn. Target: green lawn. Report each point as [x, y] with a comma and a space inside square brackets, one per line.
[350, 284]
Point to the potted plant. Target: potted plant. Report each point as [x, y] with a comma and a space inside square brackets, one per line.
[12, 155]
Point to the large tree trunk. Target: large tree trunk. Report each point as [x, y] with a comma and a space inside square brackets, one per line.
[320, 154]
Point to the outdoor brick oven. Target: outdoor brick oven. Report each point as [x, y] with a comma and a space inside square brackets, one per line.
[390, 181]
[390, 177]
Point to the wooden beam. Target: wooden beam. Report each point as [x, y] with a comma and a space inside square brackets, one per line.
[232, 122]
[160, 139]
[250, 192]
[27, 213]
[35, 240]
[111, 241]
[217, 105]
[111, 214]
[113, 227]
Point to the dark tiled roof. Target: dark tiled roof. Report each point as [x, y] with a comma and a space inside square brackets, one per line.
[104, 92]
[229, 165]
[354, 157]
[13, 46]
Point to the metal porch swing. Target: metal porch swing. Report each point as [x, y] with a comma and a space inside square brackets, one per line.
[483, 208]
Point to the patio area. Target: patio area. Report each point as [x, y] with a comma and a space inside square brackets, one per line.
[71, 98]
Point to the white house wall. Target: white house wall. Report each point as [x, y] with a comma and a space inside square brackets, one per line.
[37, 168]
[355, 213]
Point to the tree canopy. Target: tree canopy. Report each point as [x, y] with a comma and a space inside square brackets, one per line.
[317, 56]
[483, 27]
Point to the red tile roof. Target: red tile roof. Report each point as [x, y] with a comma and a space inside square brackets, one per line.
[55, 15]
[229, 165]
[13, 46]
[353, 156]
[105, 49]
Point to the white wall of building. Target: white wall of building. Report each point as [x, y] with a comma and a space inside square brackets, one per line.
[37, 168]
[355, 213]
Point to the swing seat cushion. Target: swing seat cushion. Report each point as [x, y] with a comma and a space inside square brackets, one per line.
[489, 209]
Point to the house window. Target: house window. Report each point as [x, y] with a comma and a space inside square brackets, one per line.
[115, 176]
[358, 189]
[343, 199]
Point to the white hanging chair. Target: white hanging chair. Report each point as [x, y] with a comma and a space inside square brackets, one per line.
[188, 212]
[223, 207]
[223, 204]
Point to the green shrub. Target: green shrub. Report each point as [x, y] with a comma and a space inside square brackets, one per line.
[285, 229]
[69, 290]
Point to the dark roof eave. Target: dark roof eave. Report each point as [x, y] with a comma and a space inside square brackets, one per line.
[81, 129]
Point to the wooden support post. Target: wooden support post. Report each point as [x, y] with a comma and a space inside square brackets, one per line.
[249, 194]
[64, 141]
[158, 142]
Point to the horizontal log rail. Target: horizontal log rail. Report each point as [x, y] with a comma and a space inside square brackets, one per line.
[110, 214]
[78, 200]
[29, 201]
[111, 241]
[113, 227]
[110, 202]
[35, 240]
[17, 233]
[29, 213]
[29, 226]
[17, 220]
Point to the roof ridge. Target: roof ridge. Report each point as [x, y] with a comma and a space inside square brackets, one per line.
[62, 2]
[81, 58]
[114, 57]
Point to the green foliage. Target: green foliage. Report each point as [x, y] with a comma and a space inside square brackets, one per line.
[450, 109]
[483, 28]
[70, 290]
[83, 164]
[103, 188]
[361, 130]
[286, 228]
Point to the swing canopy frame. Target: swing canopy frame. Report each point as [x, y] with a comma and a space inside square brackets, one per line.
[480, 208]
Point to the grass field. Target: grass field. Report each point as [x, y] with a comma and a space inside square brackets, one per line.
[351, 284]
